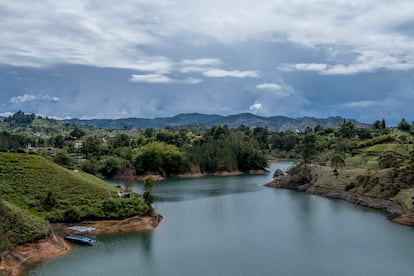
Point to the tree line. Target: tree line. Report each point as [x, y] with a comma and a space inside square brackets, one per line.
[177, 150]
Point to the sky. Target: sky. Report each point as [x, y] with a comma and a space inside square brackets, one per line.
[134, 58]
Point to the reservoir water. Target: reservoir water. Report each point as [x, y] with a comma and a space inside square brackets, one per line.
[235, 226]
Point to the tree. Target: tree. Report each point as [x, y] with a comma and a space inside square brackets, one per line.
[148, 184]
[159, 157]
[64, 159]
[58, 141]
[110, 166]
[403, 125]
[377, 125]
[337, 161]
[89, 166]
[126, 173]
[121, 140]
[308, 148]
[77, 133]
[346, 130]
[91, 147]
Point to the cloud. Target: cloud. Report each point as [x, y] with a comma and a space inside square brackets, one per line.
[157, 64]
[161, 66]
[31, 98]
[202, 61]
[359, 104]
[310, 66]
[50, 98]
[276, 89]
[366, 62]
[6, 114]
[256, 107]
[109, 34]
[163, 79]
[23, 99]
[219, 73]
[269, 86]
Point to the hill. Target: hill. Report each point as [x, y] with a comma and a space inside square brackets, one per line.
[35, 191]
[376, 172]
[275, 123]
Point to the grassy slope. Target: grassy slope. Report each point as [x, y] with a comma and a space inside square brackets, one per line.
[34, 190]
[365, 163]
[18, 226]
[27, 179]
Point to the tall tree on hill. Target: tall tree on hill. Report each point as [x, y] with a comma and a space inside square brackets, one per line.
[403, 125]
[346, 130]
[308, 148]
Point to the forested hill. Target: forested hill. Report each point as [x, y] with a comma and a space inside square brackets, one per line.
[275, 123]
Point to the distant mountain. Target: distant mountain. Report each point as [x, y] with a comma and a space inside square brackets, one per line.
[275, 123]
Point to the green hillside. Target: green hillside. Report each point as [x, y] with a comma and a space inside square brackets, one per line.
[35, 191]
[384, 171]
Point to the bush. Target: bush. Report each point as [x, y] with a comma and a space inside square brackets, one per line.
[110, 166]
[89, 166]
[72, 214]
[349, 186]
[301, 173]
[64, 159]
[388, 160]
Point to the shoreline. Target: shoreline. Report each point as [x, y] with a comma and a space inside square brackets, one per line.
[158, 177]
[22, 257]
[395, 211]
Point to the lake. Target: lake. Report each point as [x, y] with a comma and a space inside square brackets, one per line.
[235, 226]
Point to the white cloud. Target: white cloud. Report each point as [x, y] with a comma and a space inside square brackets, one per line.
[202, 61]
[164, 79]
[310, 66]
[366, 62]
[219, 73]
[22, 99]
[256, 107]
[193, 69]
[50, 98]
[276, 89]
[269, 86]
[360, 104]
[6, 114]
[154, 64]
[31, 98]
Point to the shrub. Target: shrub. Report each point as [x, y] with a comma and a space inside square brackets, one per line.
[349, 186]
[64, 159]
[72, 214]
[89, 166]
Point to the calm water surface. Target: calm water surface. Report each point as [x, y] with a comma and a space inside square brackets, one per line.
[234, 226]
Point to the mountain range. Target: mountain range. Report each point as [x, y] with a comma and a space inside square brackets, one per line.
[274, 123]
